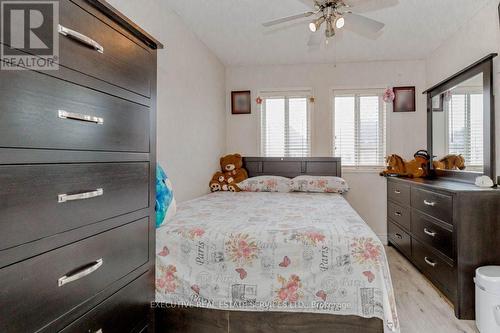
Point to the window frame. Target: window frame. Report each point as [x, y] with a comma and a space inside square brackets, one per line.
[384, 114]
[286, 95]
[467, 93]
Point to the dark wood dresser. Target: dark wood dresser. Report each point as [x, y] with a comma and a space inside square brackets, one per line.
[77, 180]
[447, 229]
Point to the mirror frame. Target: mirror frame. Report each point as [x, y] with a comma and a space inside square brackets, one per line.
[484, 66]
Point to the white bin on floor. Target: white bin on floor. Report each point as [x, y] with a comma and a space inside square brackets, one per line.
[487, 282]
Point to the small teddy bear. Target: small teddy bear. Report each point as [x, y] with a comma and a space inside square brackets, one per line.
[233, 188]
[232, 166]
[218, 182]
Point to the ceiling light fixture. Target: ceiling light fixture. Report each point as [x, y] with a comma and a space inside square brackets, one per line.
[330, 31]
[336, 14]
[316, 24]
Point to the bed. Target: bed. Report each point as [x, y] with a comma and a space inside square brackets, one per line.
[293, 260]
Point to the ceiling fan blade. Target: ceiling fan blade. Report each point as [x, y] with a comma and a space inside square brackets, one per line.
[282, 27]
[287, 19]
[364, 6]
[362, 25]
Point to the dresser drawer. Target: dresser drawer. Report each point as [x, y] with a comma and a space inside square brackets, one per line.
[432, 232]
[39, 290]
[435, 204]
[398, 192]
[39, 111]
[435, 268]
[122, 312]
[399, 214]
[38, 201]
[122, 62]
[399, 237]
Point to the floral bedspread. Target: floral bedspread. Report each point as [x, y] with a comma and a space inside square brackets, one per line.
[297, 252]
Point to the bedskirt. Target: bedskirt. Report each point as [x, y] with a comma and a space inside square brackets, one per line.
[171, 319]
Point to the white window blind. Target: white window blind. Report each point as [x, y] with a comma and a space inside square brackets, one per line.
[464, 112]
[360, 128]
[285, 124]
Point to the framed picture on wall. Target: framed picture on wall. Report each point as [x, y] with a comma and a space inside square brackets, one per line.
[241, 102]
[404, 99]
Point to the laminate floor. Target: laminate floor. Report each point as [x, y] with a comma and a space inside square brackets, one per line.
[421, 308]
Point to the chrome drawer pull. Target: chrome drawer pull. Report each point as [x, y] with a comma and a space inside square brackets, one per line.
[430, 233]
[78, 275]
[397, 191]
[81, 38]
[82, 117]
[80, 196]
[399, 236]
[397, 213]
[430, 203]
[429, 262]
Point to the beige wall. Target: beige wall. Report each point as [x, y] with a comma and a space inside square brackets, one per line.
[406, 131]
[191, 101]
[476, 39]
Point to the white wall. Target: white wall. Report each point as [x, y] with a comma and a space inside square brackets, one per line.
[406, 131]
[191, 101]
[476, 39]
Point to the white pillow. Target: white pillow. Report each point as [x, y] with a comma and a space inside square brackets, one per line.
[320, 184]
[265, 184]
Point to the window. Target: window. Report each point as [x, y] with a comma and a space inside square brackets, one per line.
[359, 127]
[464, 114]
[285, 124]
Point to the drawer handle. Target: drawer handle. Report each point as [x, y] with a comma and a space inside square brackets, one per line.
[430, 233]
[397, 213]
[82, 117]
[430, 203]
[81, 38]
[397, 191]
[399, 236]
[80, 274]
[79, 196]
[429, 262]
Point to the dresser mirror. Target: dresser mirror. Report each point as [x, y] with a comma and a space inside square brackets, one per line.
[461, 123]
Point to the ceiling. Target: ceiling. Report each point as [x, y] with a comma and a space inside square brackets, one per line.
[232, 30]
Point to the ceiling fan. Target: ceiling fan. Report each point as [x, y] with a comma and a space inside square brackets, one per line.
[337, 14]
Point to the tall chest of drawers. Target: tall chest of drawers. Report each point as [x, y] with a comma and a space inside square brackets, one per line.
[77, 180]
[447, 229]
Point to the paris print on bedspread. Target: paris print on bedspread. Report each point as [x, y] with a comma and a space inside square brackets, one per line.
[297, 252]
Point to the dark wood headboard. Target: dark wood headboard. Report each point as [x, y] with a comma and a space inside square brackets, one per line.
[292, 166]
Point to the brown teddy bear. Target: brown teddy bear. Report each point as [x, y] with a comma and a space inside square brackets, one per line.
[232, 166]
[218, 182]
[233, 187]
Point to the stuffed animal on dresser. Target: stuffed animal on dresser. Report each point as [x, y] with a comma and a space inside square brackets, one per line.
[416, 168]
[232, 166]
[450, 162]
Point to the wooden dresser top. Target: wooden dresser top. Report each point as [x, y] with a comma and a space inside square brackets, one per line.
[444, 184]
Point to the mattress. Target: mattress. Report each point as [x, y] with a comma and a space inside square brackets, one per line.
[293, 252]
